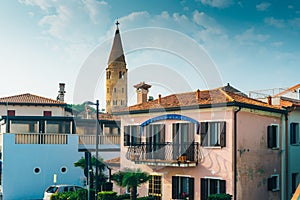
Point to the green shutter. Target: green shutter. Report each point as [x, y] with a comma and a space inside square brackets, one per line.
[203, 132]
[191, 188]
[126, 135]
[204, 189]
[223, 134]
[175, 188]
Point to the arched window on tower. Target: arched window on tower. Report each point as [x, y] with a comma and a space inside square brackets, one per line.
[108, 75]
[121, 75]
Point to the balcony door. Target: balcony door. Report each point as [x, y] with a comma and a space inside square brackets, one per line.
[183, 140]
[155, 141]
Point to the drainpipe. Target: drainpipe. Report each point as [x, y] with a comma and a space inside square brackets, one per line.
[235, 153]
[286, 155]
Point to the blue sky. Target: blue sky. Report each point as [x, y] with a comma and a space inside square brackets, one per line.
[253, 44]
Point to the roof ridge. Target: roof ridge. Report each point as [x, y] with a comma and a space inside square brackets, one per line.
[226, 94]
[28, 95]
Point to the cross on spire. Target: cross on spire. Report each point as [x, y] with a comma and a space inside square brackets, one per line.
[117, 23]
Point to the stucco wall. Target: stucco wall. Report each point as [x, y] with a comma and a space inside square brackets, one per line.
[216, 162]
[32, 110]
[294, 152]
[255, 162]
[19, 161]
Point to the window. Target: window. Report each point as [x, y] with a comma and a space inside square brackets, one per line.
[107, 90]
[123, 90]
[108, 75]
[273, 183]
[132, 135]
[294, 182]
[213, 134]
[11, 113]
[273, 136]
[294, 133]
[47, 113]
[108, 102]
[115, 90]
[154, 189]
[114, 102]
[212, 186]
[182, 187]
[121, 75]
[183, 140]
[155, 141]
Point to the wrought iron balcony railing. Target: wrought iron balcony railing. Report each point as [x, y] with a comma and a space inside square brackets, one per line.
[165, 154]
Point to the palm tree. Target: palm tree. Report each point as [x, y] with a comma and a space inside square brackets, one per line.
[132, 179]
[101, 167]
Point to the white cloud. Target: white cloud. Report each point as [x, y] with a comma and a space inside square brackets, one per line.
[217, 3]
[294, 23]
[250, 37]
[42, 4]
[263, 6]
[277, 44]
[207, 22]
[275, 22]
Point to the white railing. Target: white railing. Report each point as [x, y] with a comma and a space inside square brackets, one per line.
[47, 138]
[103, 139]
[35, 138]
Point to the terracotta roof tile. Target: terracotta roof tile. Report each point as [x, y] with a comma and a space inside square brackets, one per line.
[29, 99]
[207, 97]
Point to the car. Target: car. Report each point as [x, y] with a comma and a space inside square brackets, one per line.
[53, 189]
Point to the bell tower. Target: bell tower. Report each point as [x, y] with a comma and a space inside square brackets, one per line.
[116, 75]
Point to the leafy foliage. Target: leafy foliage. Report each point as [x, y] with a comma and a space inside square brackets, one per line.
[79, 108]
[76, 195]
[107, 195]
[222, 196]
[101, 167]
[132, 179]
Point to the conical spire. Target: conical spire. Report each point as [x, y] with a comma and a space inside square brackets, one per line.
[117, 53]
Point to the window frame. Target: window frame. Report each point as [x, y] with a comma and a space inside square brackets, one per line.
[294, 133]
[218, 128]
[274, 183]
[178, 185]
[155, 186]
[207, 183]
[131, 139]
[270, 136]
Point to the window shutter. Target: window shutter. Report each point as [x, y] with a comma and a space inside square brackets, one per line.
[203, 132]
[271, 183]
[162, 134]
[139, 138]
[126, 135]
[222, 186]
[223, 134]
[175, 188]
[191, 188]
[270, 137]
[204, 189]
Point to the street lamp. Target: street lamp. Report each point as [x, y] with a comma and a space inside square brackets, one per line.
[97, 141]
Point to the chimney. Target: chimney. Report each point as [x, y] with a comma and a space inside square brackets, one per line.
[61, 92]
[198, 94]
[269, 100]
[142, 90]
[159, 99]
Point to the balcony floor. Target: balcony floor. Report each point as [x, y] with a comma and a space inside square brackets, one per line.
[166, 163]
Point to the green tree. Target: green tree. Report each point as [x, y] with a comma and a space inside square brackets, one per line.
[132, 179]
[101, 167]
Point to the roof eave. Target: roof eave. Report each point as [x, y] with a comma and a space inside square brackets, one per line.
[202, 106]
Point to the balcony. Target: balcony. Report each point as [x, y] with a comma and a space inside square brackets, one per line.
[165, 154]
[85, 142]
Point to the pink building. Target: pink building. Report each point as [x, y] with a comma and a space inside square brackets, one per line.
[204, 142]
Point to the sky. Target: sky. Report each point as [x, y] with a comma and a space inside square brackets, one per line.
[176, 46]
